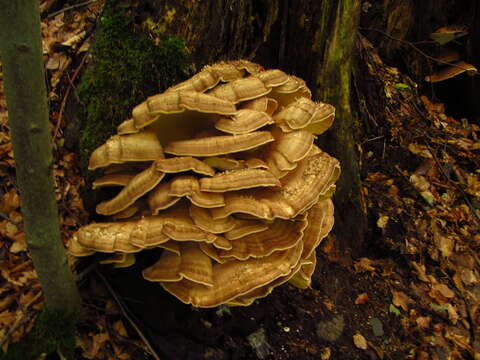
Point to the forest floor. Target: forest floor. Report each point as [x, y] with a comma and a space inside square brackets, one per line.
[414, 293]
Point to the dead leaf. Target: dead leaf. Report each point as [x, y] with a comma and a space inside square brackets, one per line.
[326, 354]
[452, 314]
[446, 34]
[364, 264]
[468, 276]
[120, 328]
[401, 300]
[359, 341]
[361, 299]
[10, 201]
[19, 243]
[97, 343]
[423, 187]
[423, 321]
[420, 150]
[382, 221]
[444, 290]
[421, 272]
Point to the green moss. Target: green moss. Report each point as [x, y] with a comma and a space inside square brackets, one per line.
[52, 332]
[125, 69]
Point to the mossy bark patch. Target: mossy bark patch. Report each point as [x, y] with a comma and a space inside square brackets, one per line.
[126, 67]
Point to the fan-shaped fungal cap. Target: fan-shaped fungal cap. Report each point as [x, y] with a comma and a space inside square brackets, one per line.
[219, 145]
[211, 75]
[244, 202]
[184, 185]
[212, 252]
[75, 249]
[260, 292]
[206, 200]
[244, 121]
[238, 179]
[143, 146]
[322, 119]
[226, 163]
[173, 102]
[240, 90]
[148, 232]
[227, 285]
[302, 278]
[272, 78]
[137, 187]
[171, 245]
[159, 198]
[313, 178]
[180, 164]
[204, 220]
[294, 145]
[137, 207]
[120, 260]
[191, 264]
[244, 227]
[107, 237]
[451, 71]
[127, 127]
[264, 104]
[276, 160]
[296, 115]
[320, 222]
[281, 235]
[115, 179]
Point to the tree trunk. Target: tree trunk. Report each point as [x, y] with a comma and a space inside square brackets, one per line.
[310, 39]
[21, 51]
[333, 86]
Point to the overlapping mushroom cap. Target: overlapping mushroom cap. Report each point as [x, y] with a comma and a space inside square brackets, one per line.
[222, 173]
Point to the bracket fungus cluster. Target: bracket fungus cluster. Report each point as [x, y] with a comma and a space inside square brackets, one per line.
[222, 173]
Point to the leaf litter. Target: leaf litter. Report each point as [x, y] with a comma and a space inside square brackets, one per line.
[422, 186]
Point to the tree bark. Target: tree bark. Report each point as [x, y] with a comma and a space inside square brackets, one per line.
[21, 52]
[333, 79]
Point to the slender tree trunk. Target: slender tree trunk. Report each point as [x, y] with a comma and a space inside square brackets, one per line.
[21, 53]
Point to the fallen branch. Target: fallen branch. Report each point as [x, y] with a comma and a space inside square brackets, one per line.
[55, 13]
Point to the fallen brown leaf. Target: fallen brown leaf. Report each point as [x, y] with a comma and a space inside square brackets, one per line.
[361, 299]
[359, 341]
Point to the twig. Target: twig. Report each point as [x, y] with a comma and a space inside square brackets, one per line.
[124, 312]
[14, 328]
[26, 316]
[373, 139]
[65, 98]
[416, 48]
[55, 13]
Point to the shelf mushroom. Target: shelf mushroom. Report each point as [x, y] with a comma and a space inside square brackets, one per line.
[221, 172]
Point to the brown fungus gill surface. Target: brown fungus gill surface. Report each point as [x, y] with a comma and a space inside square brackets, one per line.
[220, 172]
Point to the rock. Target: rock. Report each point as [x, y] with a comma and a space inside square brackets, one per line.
[331, 330]
[377, 326]
[258, 342]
